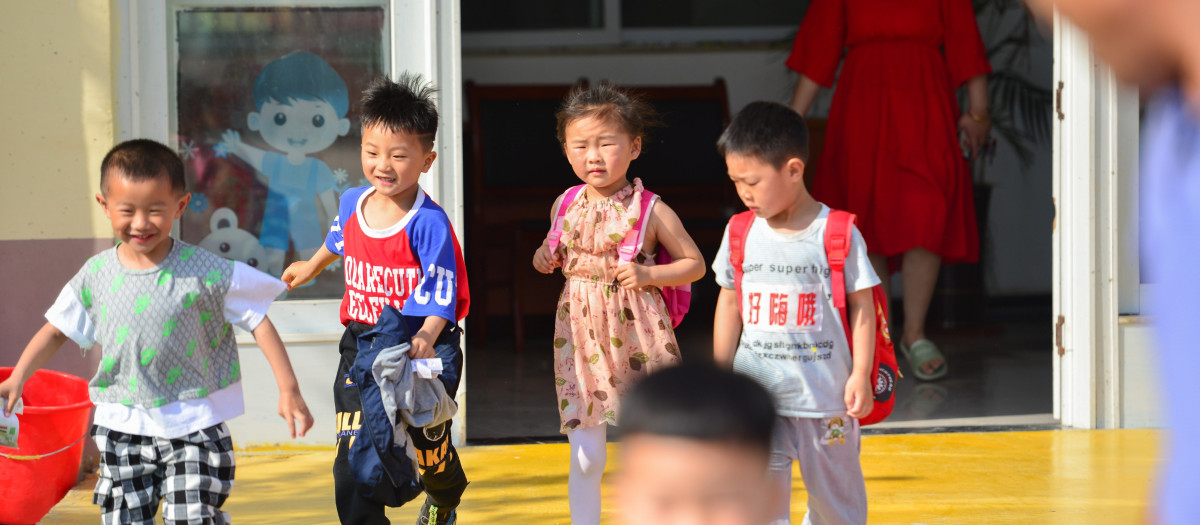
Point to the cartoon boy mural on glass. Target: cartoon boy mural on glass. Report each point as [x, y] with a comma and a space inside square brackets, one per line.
[302, 104]
[265, 127]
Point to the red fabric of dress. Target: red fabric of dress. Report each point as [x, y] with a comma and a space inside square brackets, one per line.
[891, 151]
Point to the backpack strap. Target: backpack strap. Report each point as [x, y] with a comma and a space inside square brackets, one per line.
[839, 230]
[739, 229]
[560, 216]
[632, 243]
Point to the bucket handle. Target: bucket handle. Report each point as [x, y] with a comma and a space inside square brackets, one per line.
[16, 457]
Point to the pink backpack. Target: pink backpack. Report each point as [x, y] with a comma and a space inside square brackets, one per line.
[678, 298]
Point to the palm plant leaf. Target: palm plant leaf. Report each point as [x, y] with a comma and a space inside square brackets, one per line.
[1020, 109]
[1029, 104]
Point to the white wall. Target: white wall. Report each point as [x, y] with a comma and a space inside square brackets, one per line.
[315, 365]
[749, 75]
[1140, 396]
[1021, 216]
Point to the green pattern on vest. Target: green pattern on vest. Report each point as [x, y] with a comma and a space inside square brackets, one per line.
[148, 322]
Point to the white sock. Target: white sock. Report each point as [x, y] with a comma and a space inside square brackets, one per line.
[588, 454]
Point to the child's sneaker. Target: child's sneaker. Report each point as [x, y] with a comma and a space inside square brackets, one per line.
[433, 515]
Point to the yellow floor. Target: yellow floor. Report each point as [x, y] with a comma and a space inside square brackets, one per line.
[1046, 477]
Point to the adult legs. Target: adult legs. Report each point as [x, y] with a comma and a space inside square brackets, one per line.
[919, 276]
[588, 454]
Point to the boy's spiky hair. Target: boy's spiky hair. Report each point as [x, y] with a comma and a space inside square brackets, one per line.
[702, 403]
[768, 131]
[606, 101]
[405, 105]
[143, 159]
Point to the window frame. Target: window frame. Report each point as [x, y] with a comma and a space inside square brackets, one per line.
[613, 34]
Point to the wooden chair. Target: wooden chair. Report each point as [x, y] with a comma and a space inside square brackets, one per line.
[514, 170]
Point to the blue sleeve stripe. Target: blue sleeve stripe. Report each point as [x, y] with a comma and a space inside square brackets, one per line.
[334, 241]
[437, 293]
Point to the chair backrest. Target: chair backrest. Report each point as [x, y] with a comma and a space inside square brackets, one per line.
[511, 137]
[512, 144]
[682, 152]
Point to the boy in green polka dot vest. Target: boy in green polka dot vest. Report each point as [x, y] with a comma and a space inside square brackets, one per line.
[162, 311]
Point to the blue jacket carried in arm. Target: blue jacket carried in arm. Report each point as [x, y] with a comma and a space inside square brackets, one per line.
[376, 457]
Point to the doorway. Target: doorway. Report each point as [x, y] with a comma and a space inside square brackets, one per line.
[992, 320]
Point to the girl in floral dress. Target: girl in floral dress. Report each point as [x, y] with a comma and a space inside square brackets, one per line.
[612, 326]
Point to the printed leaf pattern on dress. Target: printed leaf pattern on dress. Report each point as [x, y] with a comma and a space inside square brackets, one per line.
[616, 335]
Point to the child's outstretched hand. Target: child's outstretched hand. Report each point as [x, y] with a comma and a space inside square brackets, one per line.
[297, 274]
[633, 276]
[301, 272]
[543, 260]
[231, 138]
[10, 392]
[294, 411]
[860, 396]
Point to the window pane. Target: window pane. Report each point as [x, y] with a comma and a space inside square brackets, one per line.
[710, 13]
[527, 15]
[267, 125]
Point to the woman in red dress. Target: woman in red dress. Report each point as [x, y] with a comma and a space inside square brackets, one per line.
[892, 153]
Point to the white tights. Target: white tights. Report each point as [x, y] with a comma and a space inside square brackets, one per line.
[588, 454]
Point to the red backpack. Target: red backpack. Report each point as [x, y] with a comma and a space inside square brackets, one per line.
[838, 228]
[678, 298]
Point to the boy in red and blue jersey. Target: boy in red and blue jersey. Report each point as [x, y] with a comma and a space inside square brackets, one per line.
[399, 250]
[384, 267]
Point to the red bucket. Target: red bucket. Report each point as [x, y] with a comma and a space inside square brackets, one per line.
[54, 426]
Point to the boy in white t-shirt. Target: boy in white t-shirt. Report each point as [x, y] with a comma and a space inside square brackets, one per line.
[162, 311]
[784, 330]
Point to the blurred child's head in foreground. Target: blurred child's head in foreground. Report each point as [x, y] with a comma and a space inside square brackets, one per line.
[695, 445]
[1148, 43]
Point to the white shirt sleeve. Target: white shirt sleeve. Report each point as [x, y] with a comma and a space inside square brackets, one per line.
[860, 275]
[722, 269]
[68, 315]
[249, 296]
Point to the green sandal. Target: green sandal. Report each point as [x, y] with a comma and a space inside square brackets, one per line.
[920, 353]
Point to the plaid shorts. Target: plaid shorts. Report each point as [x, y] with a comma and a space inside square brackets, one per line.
[193, 473]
